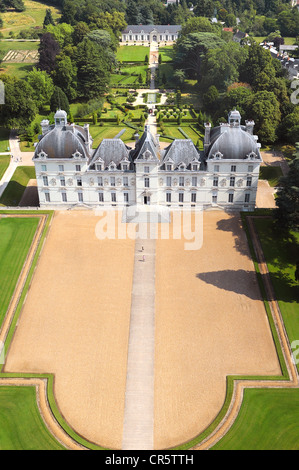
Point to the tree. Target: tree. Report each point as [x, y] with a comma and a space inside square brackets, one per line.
[48, 18]
[59, 101]
[48, 50]
[179, 78]
[93, 67]
[210, 99]
[65, 75]
[287, 200]
[42, 86]
[191, 49]
[265, 112]
[19, 109]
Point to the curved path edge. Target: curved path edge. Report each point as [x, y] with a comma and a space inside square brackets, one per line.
[240, 385]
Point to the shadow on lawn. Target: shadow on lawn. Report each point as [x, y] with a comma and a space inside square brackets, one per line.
[12, 194]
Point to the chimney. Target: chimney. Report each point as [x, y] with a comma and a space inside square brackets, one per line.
[45, 126]
[249, 126]
[207, 133]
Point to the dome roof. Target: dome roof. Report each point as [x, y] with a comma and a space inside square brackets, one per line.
[60, 114]
[232, 143]
[62, 143]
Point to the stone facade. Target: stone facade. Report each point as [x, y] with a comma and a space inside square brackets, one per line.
[69, 172]
[147, 34]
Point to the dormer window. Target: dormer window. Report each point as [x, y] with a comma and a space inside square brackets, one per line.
[251, 156]
[194, 166]
[218, 155]
[77, 154]
[168, 167]
[99, 167]
[42, 154]
[182, 166]
[112, 166]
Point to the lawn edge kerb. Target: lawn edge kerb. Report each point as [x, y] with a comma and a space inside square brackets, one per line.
[230, 379]
[49, 377]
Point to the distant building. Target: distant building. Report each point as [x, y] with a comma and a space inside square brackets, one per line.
[225, 174]
[239, 35]
[146, 34]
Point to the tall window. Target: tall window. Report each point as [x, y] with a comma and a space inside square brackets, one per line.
[181, 181]
[247, 197]
[80, 197]
[45, 181]
[181, 197]
[194, 180]
[113, 197]
[214, 198]
[233, 168]
[248, 181]
[168, 197]
[232, 181]
[63, 196]
[146, 182]
[126, 197]
[230, 197]
[112, 180]
[79, 181]
[168, 181]
[125, 181]
[101, 197]
[193, 197]
[100, 181]
[215, 181]
[78, 167]
[62, 181]
[47, 197]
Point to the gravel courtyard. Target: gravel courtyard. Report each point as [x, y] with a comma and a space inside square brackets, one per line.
[210, 322]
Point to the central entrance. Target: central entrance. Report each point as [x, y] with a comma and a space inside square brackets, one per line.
[146, 200]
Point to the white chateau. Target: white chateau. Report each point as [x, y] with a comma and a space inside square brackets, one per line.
[70, 173]
[146, 34]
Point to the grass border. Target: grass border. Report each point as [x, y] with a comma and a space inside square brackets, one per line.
[230, 379]
[49, 377]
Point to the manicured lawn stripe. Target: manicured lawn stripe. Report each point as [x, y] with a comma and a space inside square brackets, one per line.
[17, 185]
[132, 53]
[268, 420]
[4, 163]
[22, 427]
[16, 235]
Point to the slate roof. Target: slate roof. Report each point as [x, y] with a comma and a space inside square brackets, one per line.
[63, 142]
[111, 150]
[181, 151]
[233, 143]
[145, 143]
[148, 28]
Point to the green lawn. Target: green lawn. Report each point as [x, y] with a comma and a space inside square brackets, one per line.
[18, 70]
[16, 235]
[167, 53]
[4, 139]
[22, 427]
[4, 162]
[99, 133]
[33, 16]
[268, 419]
[174, 132]
[271, 174]
[6, 46]
[132, 53]
[16, 187]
